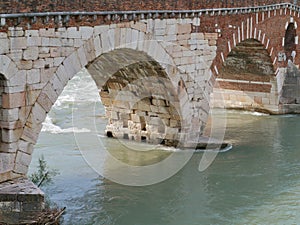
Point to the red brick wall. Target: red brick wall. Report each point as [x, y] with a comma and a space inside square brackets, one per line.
[273, 27]
[16, 6]
[245, 87]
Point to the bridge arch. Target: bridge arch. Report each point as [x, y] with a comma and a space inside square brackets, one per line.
[246, 79]
[138, 95]
[104, 44]
[275, 30]
[248, 60]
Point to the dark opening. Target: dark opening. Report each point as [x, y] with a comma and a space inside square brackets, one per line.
[125, 123]
[109, 134]
[289, 41]
[143, 123]
[163, 141]
[143, 139]
[125, 136]
[250, 61]
[181, 86]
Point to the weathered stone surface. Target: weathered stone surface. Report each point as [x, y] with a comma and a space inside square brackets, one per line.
[33, 76]
[9, 115]
[10, 136]
[14, 100]
[4, 45]
[18, 43]
[31, 53]
[25, 146]
[44, 60]
[18, 79]
[22, 162]
[18, 197]
[6, 162]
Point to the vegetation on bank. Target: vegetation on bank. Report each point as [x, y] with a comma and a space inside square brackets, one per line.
[52, 214]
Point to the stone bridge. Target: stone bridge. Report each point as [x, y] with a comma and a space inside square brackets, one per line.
[156, 64]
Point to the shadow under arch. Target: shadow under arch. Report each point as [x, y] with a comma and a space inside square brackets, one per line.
[140, 100]
[249, 60]
[247, 76]
[290, 41]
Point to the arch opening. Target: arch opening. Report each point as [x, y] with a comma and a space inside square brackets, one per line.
[249, 60]
[290, 42]
[246, 79]
[139, 98]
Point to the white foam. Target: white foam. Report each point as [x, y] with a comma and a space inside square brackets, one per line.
[49, 127]
[81, 89]
[249, 113]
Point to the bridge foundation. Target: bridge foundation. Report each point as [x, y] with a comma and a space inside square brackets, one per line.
[19, 200]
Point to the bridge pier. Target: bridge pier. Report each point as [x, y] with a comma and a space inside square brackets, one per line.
[20, 200]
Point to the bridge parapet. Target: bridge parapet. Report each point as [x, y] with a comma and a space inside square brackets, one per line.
[13, 6]
[35, 19]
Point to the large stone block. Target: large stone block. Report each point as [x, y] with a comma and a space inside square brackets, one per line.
[47, 32]
[4, 46]
[14, 100]
[24, 65]
[63, 75]
[46, 74]
[15, 55]
[6, 162]
[72, 32]
[45, 102]
[55, 42]
[57, 85]
[39, 113]
[31, 33]
[140, 26]
[25, 146]
[15, 32]
[10, 136]
[18, 43]
[33, 76]
[8, 147]
[89, 49]
[34, 41]
[86, 32]
[73, 64]
[4, 64]
[18, 79]
[184, 28]
[32, 96]
[98, 50]
[22, 162]
[50, 92]
[9, 115]
[100, 29]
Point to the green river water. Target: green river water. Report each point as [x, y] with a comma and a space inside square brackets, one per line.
[257, 182]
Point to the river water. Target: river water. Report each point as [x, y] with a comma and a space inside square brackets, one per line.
[257, 182]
